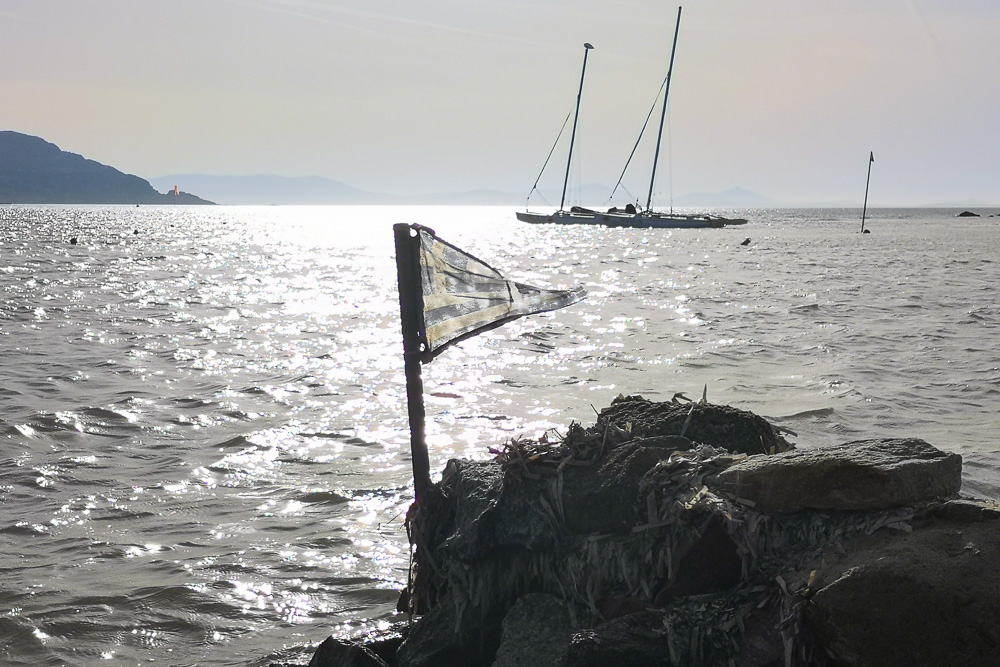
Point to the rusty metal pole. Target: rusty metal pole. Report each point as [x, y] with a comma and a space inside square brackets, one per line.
[411, 317]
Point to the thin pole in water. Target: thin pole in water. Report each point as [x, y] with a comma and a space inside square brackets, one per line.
[410, 310]
[663, 114]
[871, 158]
[587, 46]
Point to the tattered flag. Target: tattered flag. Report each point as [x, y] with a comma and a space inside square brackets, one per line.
[462, 296]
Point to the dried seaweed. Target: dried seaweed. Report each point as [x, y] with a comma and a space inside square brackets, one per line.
[586, 570]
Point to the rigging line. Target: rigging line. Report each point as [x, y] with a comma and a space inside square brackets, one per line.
[629, 193]
[632, 154]
[551, 150]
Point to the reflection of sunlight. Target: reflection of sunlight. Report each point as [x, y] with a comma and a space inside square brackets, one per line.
[293, 507]
[135, 550]
[25, 430]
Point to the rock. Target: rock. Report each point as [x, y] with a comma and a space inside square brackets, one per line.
[961, 510]
[638, 639]
[451, 637]
[923, 598]
[604, 497]
[762, 644]
[967, 214]
[536, 633]
[492, 513]
[671, 549]
[335, 652]
[722, 426]
[861, 475]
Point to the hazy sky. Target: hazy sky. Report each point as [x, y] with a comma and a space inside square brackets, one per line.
[782, 97]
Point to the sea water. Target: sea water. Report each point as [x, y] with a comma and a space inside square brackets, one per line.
[205, 451]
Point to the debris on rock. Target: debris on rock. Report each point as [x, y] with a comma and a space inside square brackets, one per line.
[671, 533]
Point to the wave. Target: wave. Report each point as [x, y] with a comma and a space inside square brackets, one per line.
[806, 414]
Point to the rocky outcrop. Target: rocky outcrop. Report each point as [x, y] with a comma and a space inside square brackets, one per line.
[722, 426]
[931, 591]
[692, 534]
[967, 214]
[862, 475]
[335, 652]
[537, 630]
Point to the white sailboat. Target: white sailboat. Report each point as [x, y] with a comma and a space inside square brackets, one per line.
[630, 216]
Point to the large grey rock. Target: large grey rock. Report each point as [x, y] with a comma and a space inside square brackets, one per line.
[930, 597]
[861, 475]
[536, 633]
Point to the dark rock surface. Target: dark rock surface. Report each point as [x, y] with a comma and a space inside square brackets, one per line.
[862, 475]
[967, 214]
[492, 514]
[454, 634]
[722, 426]
[628, 543]
[605, 497]
[637, 639]
[929, 597]
[340, 653]
[34, 171]
[537, 632]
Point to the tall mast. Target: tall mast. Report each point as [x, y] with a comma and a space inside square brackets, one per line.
[663, 114]
[871, 158]
[586, 48]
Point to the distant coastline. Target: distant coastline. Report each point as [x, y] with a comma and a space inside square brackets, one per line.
[270, 190]
[263, 189]
[34, 171]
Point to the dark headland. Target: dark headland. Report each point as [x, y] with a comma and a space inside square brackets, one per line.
[34, 171]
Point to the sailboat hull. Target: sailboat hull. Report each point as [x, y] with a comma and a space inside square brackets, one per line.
[636, 220]
[630, 217]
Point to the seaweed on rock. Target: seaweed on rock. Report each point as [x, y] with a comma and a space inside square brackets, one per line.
[614, 519]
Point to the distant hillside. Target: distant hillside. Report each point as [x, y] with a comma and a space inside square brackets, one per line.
[34, 171]
[733, 198]
[259, 189]
[262, 189]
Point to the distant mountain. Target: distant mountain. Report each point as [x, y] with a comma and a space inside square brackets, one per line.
[963, 204]
[260, 189]
[34, 171]
[733, 198]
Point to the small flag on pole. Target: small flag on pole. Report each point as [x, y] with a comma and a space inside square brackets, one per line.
[871, 157]
[463, 296]
[447, 295]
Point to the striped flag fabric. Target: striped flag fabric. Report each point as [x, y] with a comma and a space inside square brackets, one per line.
[463, 296]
